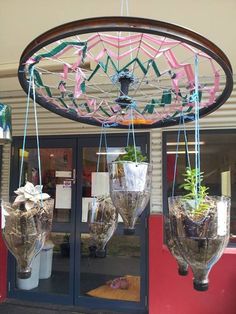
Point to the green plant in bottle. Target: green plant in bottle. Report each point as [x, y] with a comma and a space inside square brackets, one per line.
[197, 194]
[132, 154]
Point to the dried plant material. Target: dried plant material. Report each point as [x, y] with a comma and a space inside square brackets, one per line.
[27, 221]
[102, 219]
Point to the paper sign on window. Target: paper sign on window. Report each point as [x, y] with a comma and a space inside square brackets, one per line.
[100, 183]
[63, 174]
[63, 197]
[221, 219]
[85, 202]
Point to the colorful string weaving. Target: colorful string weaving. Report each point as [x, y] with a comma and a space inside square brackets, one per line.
[99, 76]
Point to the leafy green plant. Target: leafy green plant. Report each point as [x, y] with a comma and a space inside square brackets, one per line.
[132, 154]
[199, 194]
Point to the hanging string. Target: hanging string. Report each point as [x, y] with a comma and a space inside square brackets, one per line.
[181, 121]
[127, 7]
[25, 131]
[176, 158]
[37, 139]
[31, 85]
[127, 143]
[122, 13]
[122, 7]
[131, 130]
[103, 134]
[186, 144]
[197, 129]
[196, 135]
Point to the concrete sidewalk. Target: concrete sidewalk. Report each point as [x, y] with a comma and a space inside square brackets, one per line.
[23, 307]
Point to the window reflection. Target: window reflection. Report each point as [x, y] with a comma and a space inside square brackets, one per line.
[101, 277]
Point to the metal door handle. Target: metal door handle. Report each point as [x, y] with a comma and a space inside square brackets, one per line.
[73, 179]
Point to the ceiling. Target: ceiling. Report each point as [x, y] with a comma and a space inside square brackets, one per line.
[22, 21]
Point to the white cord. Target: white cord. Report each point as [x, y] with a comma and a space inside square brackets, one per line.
[122, 9]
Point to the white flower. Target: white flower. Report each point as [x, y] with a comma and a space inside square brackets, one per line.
[30, 195]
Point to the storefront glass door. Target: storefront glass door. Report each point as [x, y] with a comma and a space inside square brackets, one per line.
[69, 272]
[125, 255]
[52, 277]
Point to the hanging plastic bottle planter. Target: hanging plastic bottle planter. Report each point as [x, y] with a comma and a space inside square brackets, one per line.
[199, 222]
[202, 233]
[28, 219]
[174, 248]
[25, 224]
[130, 186]
[102, 220]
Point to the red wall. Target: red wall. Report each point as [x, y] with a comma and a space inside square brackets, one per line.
[170, 293]
[3, 267]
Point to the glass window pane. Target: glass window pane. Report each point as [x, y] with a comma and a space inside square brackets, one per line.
[100, 277]
[50, 269]
[56, 164]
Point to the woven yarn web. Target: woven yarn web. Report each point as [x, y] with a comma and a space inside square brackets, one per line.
[81, 76]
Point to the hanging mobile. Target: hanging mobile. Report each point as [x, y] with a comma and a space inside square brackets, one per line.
[200, 223]
[92, 57]
[28, 219]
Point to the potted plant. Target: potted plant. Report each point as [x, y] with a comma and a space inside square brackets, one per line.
[26, 223]
[130, 186]
[200, 224]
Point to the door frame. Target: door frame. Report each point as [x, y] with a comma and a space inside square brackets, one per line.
[77, 142]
